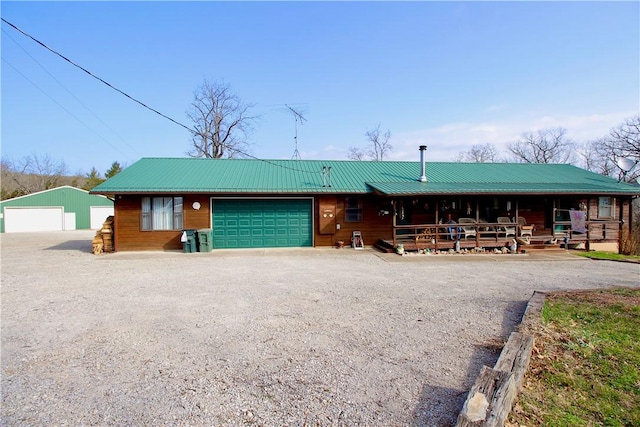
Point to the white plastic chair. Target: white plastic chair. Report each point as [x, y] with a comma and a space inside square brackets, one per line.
[507, 227]
[469, 229]
[525, 229]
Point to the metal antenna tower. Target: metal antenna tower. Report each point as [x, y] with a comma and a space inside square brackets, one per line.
[297, 117]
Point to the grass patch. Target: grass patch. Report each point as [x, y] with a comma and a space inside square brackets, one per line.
[585, 366]
[608, 256]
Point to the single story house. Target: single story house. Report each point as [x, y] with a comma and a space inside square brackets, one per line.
[57, 209]
[252, 203]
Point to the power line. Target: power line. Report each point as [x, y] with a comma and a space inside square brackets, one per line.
[60, 105]
[96, 77]
[67, 90]
[127, 95]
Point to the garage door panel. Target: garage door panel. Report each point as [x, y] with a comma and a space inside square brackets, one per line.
[265, 223]
[98, 215]
[18, 220]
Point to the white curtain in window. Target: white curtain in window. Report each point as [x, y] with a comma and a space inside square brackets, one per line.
[177, 213]
[162, 212]
[146, 213]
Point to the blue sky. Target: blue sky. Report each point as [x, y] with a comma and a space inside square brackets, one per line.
[445, 74]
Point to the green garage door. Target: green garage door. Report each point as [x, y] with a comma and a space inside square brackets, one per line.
[241, 223]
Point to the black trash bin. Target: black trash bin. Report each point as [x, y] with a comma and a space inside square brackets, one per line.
[189, 241]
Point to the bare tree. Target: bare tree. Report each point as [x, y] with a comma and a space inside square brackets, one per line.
[485, 153]
[543, 146]
[594, 157]
[355, 153]
[622, 142]
[31, 174]
[378, 148]
[221, 122]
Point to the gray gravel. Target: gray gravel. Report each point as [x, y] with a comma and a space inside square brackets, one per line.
[259, 337]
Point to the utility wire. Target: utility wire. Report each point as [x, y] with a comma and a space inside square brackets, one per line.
[129, 96]
[66, 89]
[96, 77]
[61, 106]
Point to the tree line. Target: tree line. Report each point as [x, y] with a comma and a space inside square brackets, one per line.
[39, 172]
[616, 154]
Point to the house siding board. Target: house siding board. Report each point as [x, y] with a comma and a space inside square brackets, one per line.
[129, 236]
[73, 200]
[373, 227]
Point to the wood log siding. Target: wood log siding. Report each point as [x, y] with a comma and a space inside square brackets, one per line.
[130, 237]
[373, 226]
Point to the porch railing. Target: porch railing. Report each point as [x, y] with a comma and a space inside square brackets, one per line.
[435, 234]
[594, 229]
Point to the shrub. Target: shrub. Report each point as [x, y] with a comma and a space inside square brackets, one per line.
[630, 241]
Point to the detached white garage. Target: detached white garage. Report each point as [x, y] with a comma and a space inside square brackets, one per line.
[33, 219]
[58, 209]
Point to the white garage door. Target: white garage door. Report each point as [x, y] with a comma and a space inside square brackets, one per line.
[99, 214]
[33, 219]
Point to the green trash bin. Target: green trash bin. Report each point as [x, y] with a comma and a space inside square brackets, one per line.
[189, 241]
[205, 240]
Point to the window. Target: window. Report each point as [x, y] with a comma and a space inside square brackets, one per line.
[161, 213]
[352, 209]
[605, 207]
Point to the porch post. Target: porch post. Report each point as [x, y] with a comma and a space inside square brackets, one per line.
[394, 223]
[630, 215]
[437, 222]
[620, 222]
[517, 223]
[553, 220]
[477, 221]
[587, 245]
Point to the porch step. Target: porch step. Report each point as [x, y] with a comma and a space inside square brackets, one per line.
[539, 247]
[383, 246]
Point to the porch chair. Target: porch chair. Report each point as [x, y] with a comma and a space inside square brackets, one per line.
[468, 230]
[525, 229]
[506, 227]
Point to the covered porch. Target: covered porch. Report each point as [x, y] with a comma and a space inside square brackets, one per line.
[468, 222]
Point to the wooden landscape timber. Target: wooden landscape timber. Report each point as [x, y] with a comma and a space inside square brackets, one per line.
[491, 398]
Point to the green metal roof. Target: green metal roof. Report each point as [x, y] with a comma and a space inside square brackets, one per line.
[232, 176]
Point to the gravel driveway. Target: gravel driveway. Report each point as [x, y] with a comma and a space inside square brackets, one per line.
[259, 337]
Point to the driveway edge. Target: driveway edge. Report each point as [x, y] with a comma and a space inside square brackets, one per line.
[491, 398]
